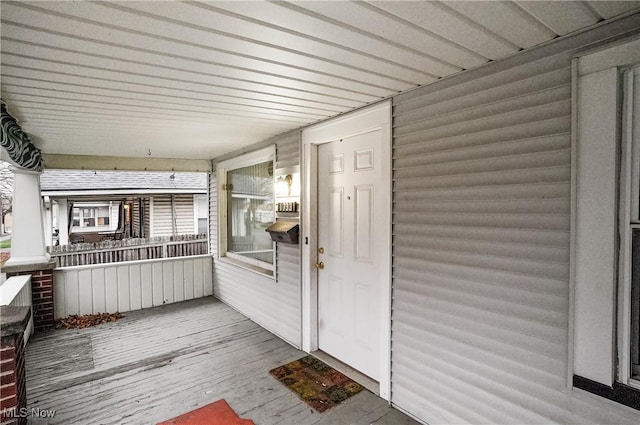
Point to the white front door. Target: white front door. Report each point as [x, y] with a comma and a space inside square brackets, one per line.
[350, 281]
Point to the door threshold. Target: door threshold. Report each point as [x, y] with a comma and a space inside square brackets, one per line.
[362, 379]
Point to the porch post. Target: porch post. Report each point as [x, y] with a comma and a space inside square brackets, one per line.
[27, 241]
[63, 221]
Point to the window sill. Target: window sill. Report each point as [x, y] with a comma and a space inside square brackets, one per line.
[255, 269]
[620, 393]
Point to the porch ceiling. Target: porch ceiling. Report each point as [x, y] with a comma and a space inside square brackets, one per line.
[199, 79]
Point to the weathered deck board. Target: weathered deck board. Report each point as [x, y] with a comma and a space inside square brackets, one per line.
[159, 363]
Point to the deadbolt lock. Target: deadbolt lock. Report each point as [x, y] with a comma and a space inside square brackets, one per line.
[321, 250]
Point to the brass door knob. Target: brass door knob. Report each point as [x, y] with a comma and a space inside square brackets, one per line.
[320, 265]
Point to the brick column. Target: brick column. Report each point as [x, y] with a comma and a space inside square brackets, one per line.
[13, 390]
[41, 291]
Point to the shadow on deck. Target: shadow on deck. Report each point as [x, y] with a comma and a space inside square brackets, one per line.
[159, 363]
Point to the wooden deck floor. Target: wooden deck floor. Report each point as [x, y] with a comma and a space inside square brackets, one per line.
[159, 363]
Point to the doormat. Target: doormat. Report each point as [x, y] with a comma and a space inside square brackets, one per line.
[317, 384]
[217, 413]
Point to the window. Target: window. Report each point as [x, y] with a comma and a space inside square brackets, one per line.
[201, 213]
[92, 217]
[246, 209]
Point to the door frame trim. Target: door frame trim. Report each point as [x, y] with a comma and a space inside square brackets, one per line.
[371, 118]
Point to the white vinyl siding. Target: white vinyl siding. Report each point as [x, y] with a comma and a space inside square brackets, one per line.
[147, 217]
[135, 218]
[274, 304]
[163, 216]
[481, 239]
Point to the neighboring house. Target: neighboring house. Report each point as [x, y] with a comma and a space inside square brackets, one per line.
[90, 206]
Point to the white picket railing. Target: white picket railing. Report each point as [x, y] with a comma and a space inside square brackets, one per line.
[132, 285]
[16, 291]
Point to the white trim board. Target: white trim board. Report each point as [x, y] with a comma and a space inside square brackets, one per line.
[376, 117]
[594, 281]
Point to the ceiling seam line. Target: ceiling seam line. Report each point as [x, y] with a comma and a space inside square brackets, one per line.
[476, 25]
[270, 45]
[351, 28]
[593, 11]
[4, 64]
[293, 113]
[188, 71]
[67, 112]
[332, 44]
[418, 28]
[153, 107]
[532, 18]
[185, 58]
[245, 39]
[192, 72]
[172, 112]
[161, 95]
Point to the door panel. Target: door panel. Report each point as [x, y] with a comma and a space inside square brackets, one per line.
[350, 284]
[364, 222]
[336, 221]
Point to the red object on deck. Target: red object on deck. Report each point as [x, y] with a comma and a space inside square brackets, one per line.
[217, 413]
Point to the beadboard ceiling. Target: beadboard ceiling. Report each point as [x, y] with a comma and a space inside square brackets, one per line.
[195, 80]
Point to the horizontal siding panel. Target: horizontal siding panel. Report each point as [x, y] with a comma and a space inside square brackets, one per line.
[450, 89]
[488, 206]
[519, 317]
[520, 221]
[408, 112]
[536, 366]
[492, 388]
[549, 307]
[549, 270]
[529, 129]
[533, 175]
[498, 163]
[556, 142]
[438, 130]
[551, 239]
[483, 275]
[514, 191]
[529, 101]
[546, 354]
[258, 298]
[288, 151]
[463, 245]
[481, 218]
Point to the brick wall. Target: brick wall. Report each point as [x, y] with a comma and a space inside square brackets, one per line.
[42, 295]
[41, 292]
[13, 391]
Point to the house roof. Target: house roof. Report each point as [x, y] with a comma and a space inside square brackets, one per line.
[166, 79]
[80, 181]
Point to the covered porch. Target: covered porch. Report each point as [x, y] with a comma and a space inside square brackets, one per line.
[491, 154]
[159, 363]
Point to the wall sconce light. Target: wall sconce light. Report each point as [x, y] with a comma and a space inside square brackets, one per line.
[283, 185]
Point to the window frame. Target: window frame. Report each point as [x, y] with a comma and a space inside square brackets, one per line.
[222, 168]
[92, 210]
[599, 321]
[629, 220]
